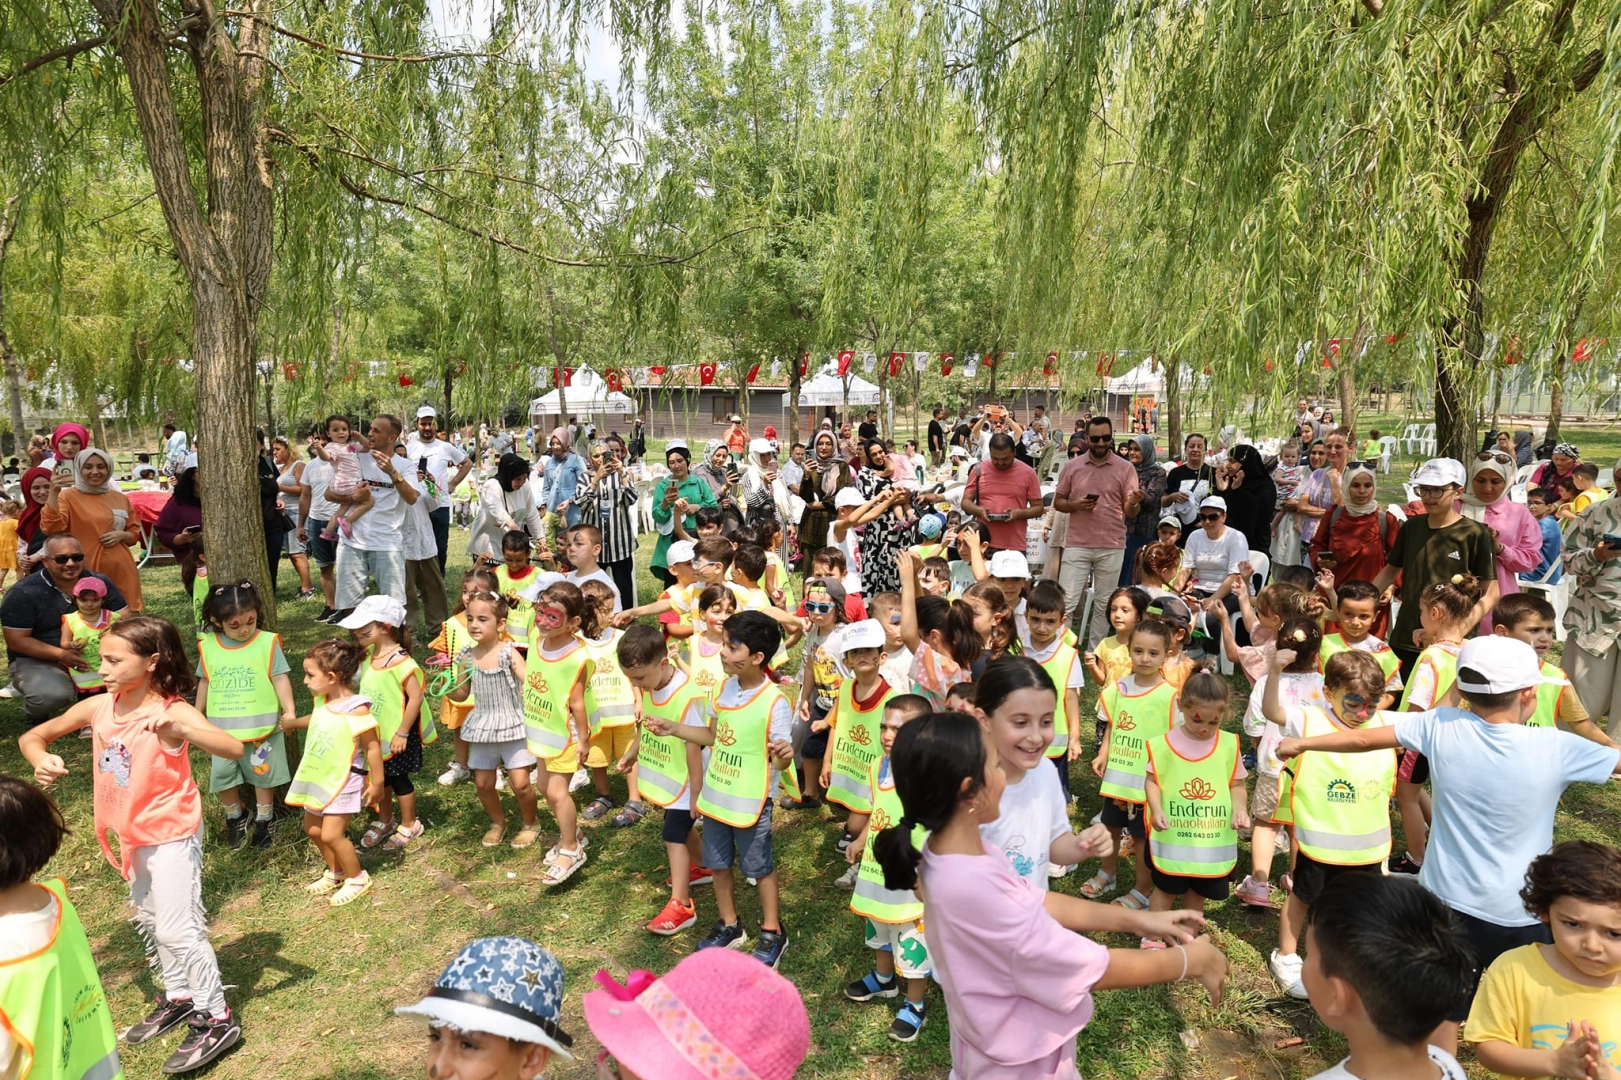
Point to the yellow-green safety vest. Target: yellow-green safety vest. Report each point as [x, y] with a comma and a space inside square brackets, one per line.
[386, 688]
[661, 760]
[870, 897]
[520, 613]
[53, 1007]
[329, 754]
[241, 698]
[457, 638]
[1339, 804]
[1445, 666]
[855, 747]
[1057, 667]
[739, 776]
[1549, 695]
[1196, 796]
[706, 671]
[610, 700]
[1133, 720]
[1334, 644]
[546, 690]
[74, 628]
[199, 594]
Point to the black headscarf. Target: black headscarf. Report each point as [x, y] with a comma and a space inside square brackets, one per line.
[509, 468]
[1250, 506]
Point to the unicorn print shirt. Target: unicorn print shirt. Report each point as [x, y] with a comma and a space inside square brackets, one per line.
[1032, 816]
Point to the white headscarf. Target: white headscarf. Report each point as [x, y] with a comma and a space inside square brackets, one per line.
[1352, 471]
[1473, 508]
[79, 483]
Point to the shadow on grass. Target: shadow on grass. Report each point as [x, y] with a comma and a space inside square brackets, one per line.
[245, 960]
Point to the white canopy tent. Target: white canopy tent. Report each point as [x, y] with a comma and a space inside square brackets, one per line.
[1147, 379]
[828, 389]
[586, 395]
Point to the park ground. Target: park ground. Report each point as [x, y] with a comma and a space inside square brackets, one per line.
[315, 987]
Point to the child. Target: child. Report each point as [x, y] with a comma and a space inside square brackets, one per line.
[897, 665]
[820, 679]
[11, 512]
[199, 584]
[853, 722]
[53, 1011]
[144, 792]
[748, 725]
[748, 571]
[492, 673]
[944, 638]
[1529, 618]
[1168, 531]
[610, 710]
[462, 500]
[1174, 614]
[559, 666]
[1287, 477]
[1361, 942]
[393, 683]
[1338, 804]
[1272, 606]
[1017, 980]
[715, 605]
[674, 606]
[343, 452]
[1356, 610]
[829, 562]
[1553, 1010]
[893, 918]
[712, 563]
[1542, 502]
[934, 577]
[778, 585]
[1138, 708]
[1195, 790]
[453, 638]
[1584, 480]
[1110, 659]
[960, 698]
[1045, 644]
[993, 618]
[514, 576]
[666, 766]
[584, 548]
[243, 688]
[86, 624]
[486, 1019]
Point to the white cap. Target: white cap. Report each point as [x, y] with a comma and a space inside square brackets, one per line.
[1438, 472]
[736, 419]
[681, 551]
[1170, 518]
[847, 497]
[383, 609]
[1504, 665]
[1213, 502]
[866, 634]
[1009, 564]
[543, 581]
[959, 451]
[426, 410]
[190, 462]
[761, 446]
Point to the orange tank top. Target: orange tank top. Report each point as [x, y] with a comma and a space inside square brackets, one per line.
[144, 793]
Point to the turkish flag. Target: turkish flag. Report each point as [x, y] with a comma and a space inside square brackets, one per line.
[290, 370]
[563, 376]
[1051, 366]
[615, 380]
[1333, 346]
[896, 359]
[753, 374]
[656, 369]
[1512, 354]
[1106, 363]
[406, 380]
[945, 363]
[804, 365]
[1268, 365]
[706, 374]
[1583, 352]
[844, 362]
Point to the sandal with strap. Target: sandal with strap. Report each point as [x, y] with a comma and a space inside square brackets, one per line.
[1098, 884]
[597, 808]
[375, 835]
[581, 840]
[628, 815]
[563, 866]
[1132, 901]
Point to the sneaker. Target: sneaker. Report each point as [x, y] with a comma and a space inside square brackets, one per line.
[697, 875]
[770, 946]
[1254, 893]
[9, 692]
[872, 985]
[1286, 969]
[261, 832]
[86, 732]
[1281, 846]
[165, 1015]
[580, 778]
[236, 830]
[1055, 871]
[1404, 864]
[500, 779]
[326, 614]
[809, 802]
[909, 1021]
[305, 594]
[455, 774]
[844, 842]
[847, 880]
[206, 1040]
[675, 918]
[722, 936]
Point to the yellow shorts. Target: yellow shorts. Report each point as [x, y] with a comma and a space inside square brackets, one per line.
[452, 714]
[566, 763]
[609, 745]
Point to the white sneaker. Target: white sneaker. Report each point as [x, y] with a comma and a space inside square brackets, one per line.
[1286, 970]
[580, 778]
[9, 692]
[455, 774]
[500, 779]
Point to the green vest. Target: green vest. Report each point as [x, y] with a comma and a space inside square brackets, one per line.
[739, 775]
[241, 698]
[1334, 644]
[661, 760]
[547, 723]
[610, 700]
[1548, 698]
[458, 638]
[76, 629]
[329, 753]
[520, 613]
[386, 688]
[1057, 667]
[855, 748]
[1196, 796]
[199, 593]
[1445, 665]
[52, 1004]
[1340, 803]
[1133, 720]
[870, 897]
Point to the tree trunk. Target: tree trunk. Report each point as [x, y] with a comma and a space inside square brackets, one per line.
[1173, 406]
[1556, 399]
[1561, 363]
[1347, 375]
[9, 216]
[793, 393]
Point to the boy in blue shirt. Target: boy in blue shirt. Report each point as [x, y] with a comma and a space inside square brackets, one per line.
[1542, 503]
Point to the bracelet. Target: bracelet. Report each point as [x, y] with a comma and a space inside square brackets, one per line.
[1184, 951]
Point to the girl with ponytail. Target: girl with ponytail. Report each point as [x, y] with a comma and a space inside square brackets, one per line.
[944, 640]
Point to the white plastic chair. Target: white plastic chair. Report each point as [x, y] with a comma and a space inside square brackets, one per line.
[1398, 512]
[1260, 569]
[1557, 594]
[1427, 443]
[1410, 437]
[1606, 479]
[1387, 450]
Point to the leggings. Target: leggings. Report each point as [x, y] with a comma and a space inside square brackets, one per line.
[166, 890]
[401, 784]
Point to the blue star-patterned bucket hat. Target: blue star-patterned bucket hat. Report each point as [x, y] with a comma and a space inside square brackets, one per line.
[500, 986]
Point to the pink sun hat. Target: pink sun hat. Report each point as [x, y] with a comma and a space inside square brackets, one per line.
[718, 1015]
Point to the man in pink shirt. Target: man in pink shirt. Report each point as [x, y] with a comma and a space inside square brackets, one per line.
[1098, 490]
[1004, 493]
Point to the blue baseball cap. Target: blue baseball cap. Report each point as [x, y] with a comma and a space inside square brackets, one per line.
[503, 986]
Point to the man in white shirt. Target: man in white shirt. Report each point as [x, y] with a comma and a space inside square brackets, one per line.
[443, 464]
[424, 580]
[376, 549]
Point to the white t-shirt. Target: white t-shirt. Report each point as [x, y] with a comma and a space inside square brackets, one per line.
[1032, 816]
[317, 474]
[416, 532]
[599, 574]
[693, 716]
[897, 670]
[1077, 674]
[443, 459]
[379, 527]
[1450, 1069]
[851, 547]
[1294, 692]
[1213, 560]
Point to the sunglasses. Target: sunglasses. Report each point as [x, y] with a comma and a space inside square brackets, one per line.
[63, 560]
[1210, 517]
[1494, 455]
[1100, 438]
[817, 609]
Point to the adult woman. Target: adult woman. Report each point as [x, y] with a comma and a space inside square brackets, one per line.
[887, 535]
[1517, 538]
[1565, 459]
[99, 516]
[1593, 619]
[682, 492]
[276, 519]
[1251, 496]
[36, 488]
[825, 473]
[1322, 490]
[1181, 483]
[717, 470]
[289, 485]
[506, 502]
[1354, 539]
[1523, 454]
[66, 442]
[606, 498]
[759, 480]
[180, 524]
[1144, 528]
[1212, 555]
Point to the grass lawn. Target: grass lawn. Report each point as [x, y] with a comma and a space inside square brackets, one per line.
[315, 987]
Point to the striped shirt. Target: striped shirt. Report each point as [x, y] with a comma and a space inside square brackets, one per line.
[607, 506]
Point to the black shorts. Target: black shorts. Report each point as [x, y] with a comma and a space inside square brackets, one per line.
[1129, 819]
[1414, 767]
[677, 825]
[1210, 888]
[1311, 877]
[815, 744]
[1489, 941]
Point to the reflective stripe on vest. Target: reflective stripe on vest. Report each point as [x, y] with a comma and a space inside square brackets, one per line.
[610, 700]
[241, 697]
[386, 688]
[548, 725]
[1196, 797]
[1445, 666]
[739, 776]
[323, 771]
[661, 760]
[855, 747]
[1133, 720]
[1341, 802]
[1058, 666]
[1548, 698]
[870, 897]
[54, 1007]
[76, 629]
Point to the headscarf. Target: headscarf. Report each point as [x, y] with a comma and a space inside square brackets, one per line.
[70, 429]
[1473, 508]
[716, 478]
[1250, 506]
[1567, 449]
[509, 468]
[79, 482]
[825, 469]
[758, 450]
[1145, 471]
[1522, 448]
[1353, 470]
[562, 436]
[28, 525]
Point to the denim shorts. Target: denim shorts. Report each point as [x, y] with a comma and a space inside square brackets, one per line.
[750, 846]
[322, 553]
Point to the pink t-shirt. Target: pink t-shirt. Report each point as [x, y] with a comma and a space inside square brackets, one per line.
[1018, 986]
[1103, 526]
[1001, 490]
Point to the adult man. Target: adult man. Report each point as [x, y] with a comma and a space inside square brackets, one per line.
[994, 420]
[1004, 493]
[868, 428]
[376, 547]
[736, 438]
[793, 470]
[442, 464]
[1098, 490]
[424, 578]
[314, 511]
[559, 473]
[31, 615]
[937, 435]
[174, 449]
[606, 500]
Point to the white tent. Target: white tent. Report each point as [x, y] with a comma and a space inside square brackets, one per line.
[586, 394]
[828, 389]
[1141, 381]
